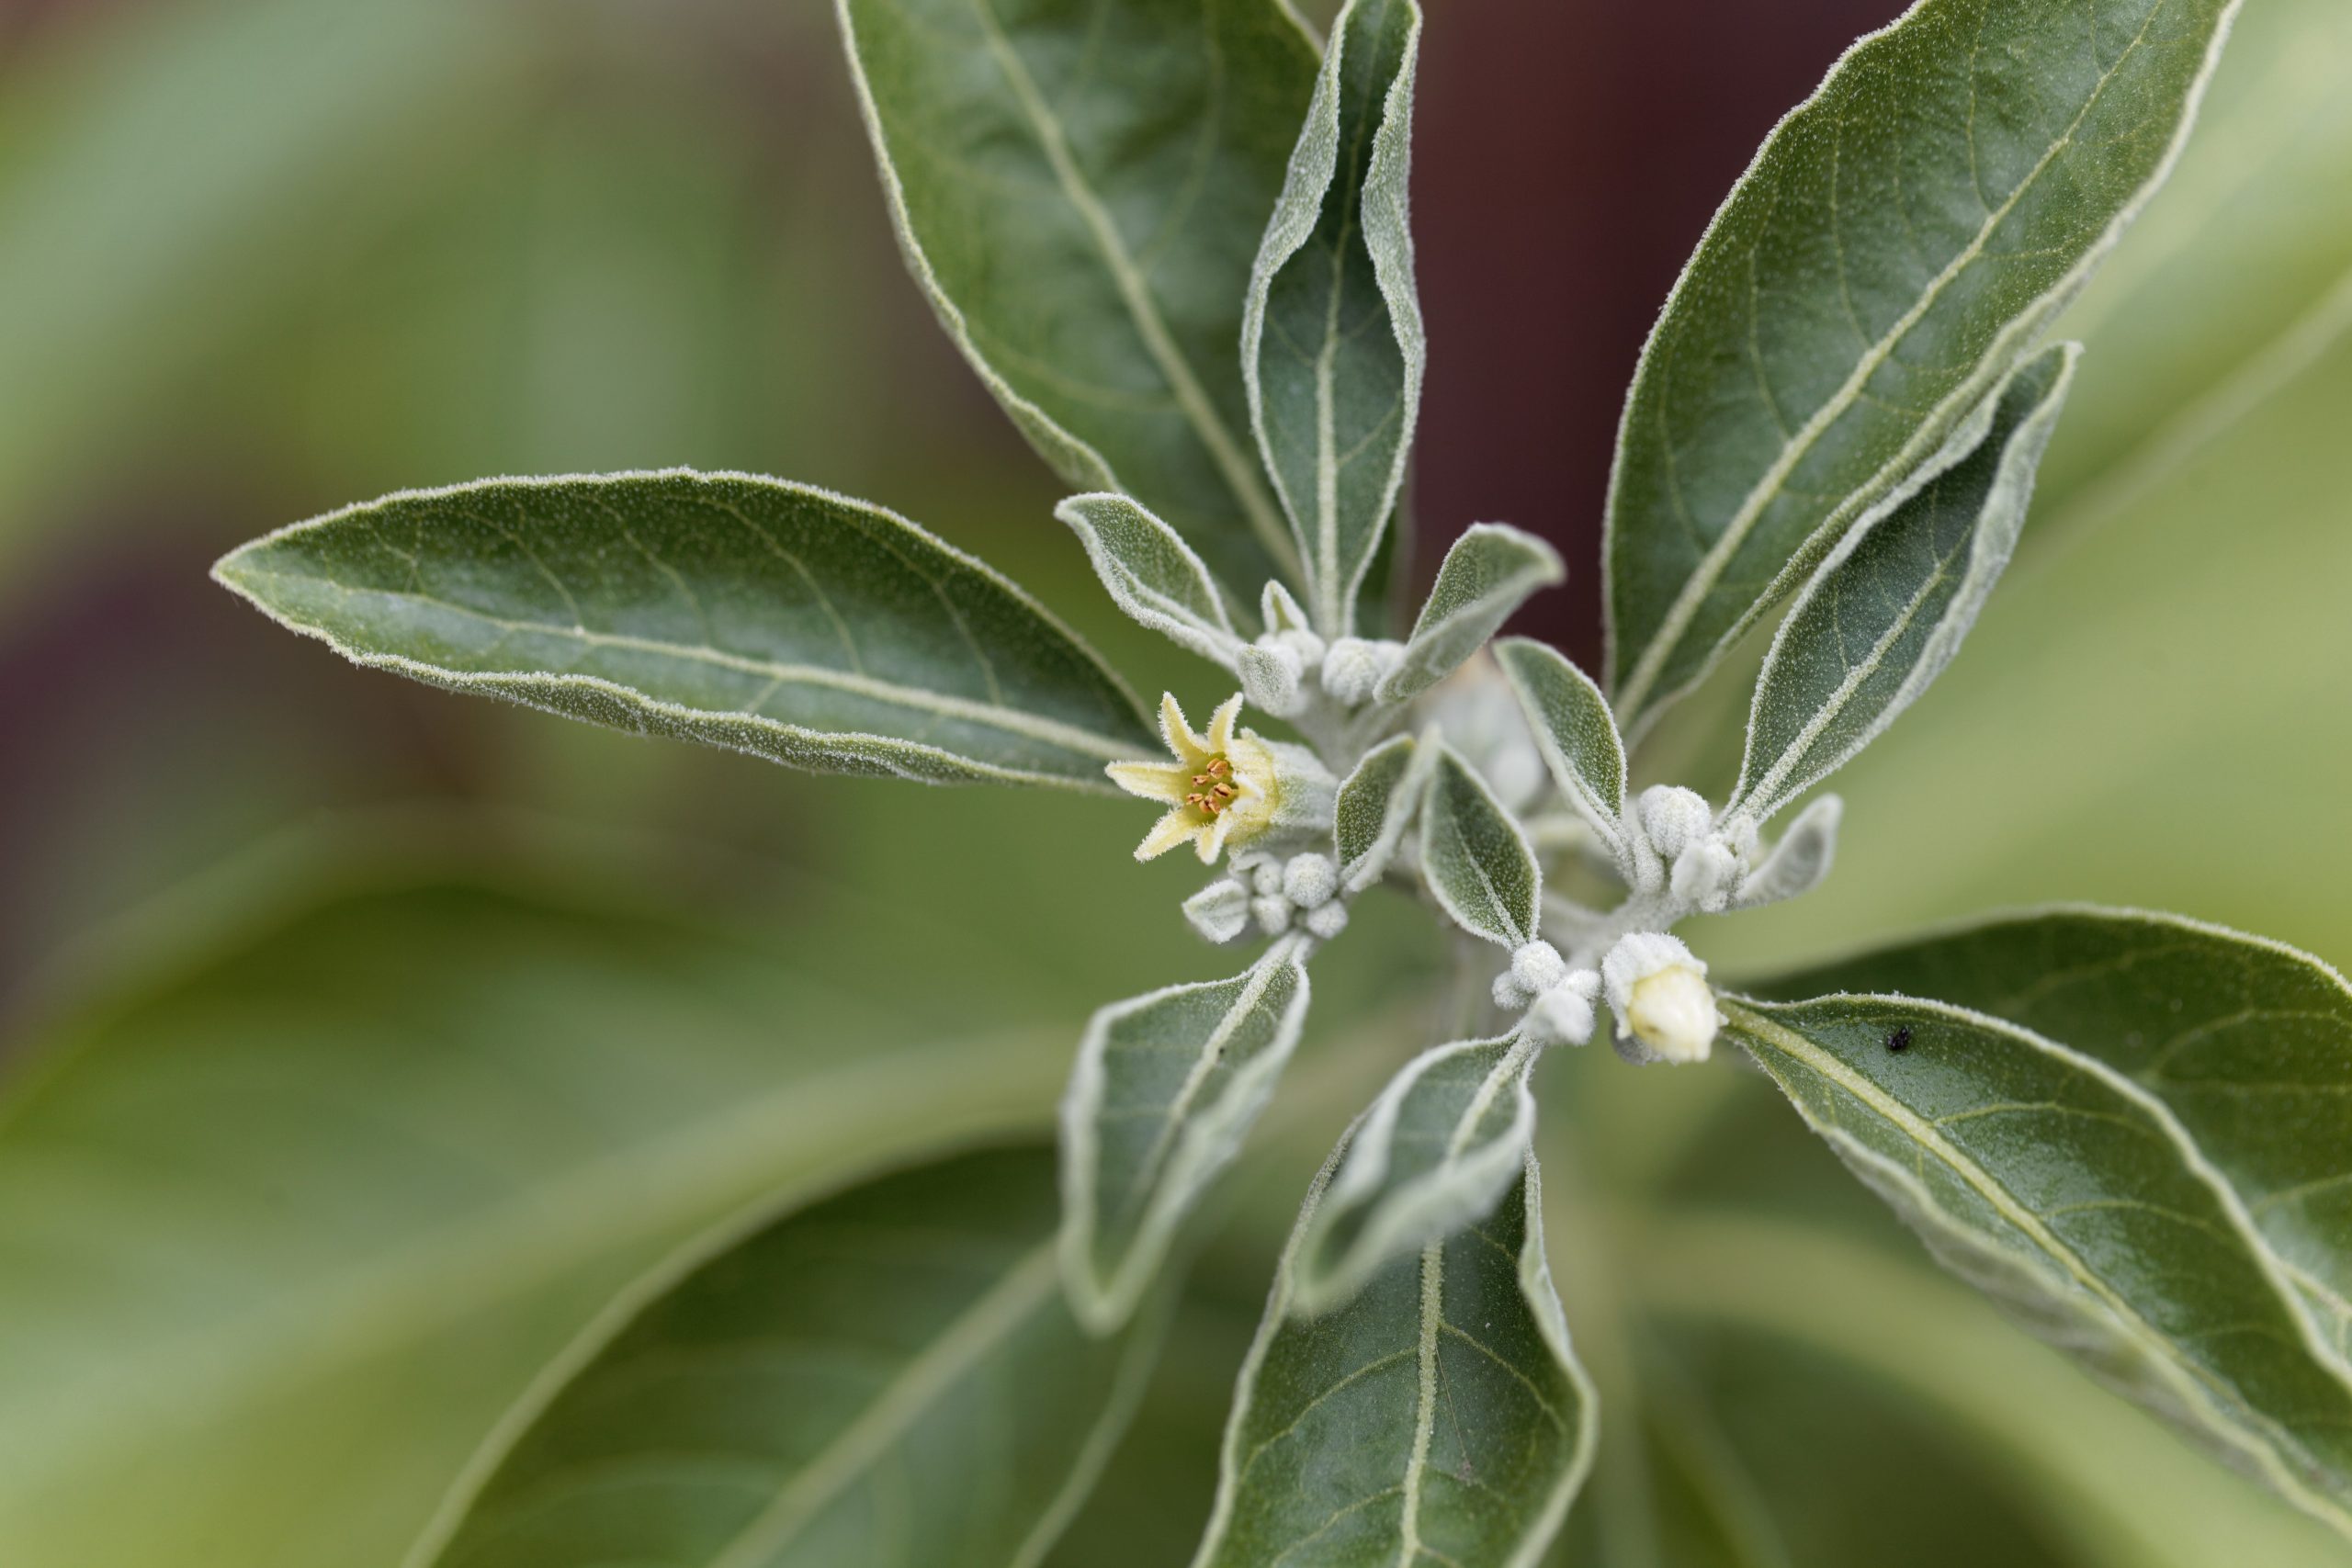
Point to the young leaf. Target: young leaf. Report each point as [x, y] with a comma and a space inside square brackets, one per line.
[1485, 577]
[1079, 191]
[1164, 1091]
[1332, 350]
[1888, 609]
[1153, 574]
[1896, 246]
[765, 1399]
[1797, 863]
[2228, 1030]
[1439, 1416]
[766, 617]
[1443, 1143]
[1476, 860]
[1374, 806]
[2079, 1201]
[1573, 728]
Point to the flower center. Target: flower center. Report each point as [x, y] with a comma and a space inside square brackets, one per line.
[1212, 788]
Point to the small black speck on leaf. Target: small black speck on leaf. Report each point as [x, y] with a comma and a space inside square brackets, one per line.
[1900, 1040]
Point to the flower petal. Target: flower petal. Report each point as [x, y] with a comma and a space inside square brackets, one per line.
[1188, 746]
[1154, 781]
[1170, 830]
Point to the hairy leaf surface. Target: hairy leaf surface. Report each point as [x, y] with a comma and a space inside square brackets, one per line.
[1575, 731]
[1374, 806]
[1888, 609]
[1440, 1145]
[1477, 860]
[2247, 1042]
[1332, 350]
[1165, 1089]
[1487, 574]
[1079, 189]
[2078, 1201]
[1896, 246]
[1153, 575]
[1439, 1416]
[890, 1375]
[743, 613]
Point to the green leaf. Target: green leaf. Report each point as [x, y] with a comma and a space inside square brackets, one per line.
[1475, 858]
[287, 1225]
[887, 1376]
[1375, 805]
[1437, 1150]
[1165, 1090]
[1080, 190]
[1897, 245]
[2077, 1200]
[1153, 575]
[1484, 579]
[1332, 350]
[1889, 607]
[743, 613]
[1575, 731]
[2247, 1044]
[1439, 1416]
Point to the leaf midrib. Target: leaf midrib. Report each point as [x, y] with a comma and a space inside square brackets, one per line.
[2208, 1384]
[1029, 1284]
[1234, 465]
[1012, 721]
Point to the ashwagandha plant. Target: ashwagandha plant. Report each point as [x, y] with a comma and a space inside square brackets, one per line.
[1171, 237]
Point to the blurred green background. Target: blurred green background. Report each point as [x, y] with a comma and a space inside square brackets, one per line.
[357, 1041]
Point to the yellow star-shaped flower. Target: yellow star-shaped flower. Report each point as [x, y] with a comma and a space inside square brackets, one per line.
[1219, 790]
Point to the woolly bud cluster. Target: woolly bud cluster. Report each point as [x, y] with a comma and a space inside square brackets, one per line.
[1276, 894]
[1679, 848]
[1556, 999]
[1658, 991]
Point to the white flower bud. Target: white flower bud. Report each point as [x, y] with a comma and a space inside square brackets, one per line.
[1355, 667]
[1561, 1015]
[1311, 880]
[1266, 877]
[1659, 993]
[1220, 911]
[1538, 968]
[1508, 993]
[1674, 818]
[1703, 875]
[1327, 920]
[1309, 647]
[1272, 677]
[1273, 914]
